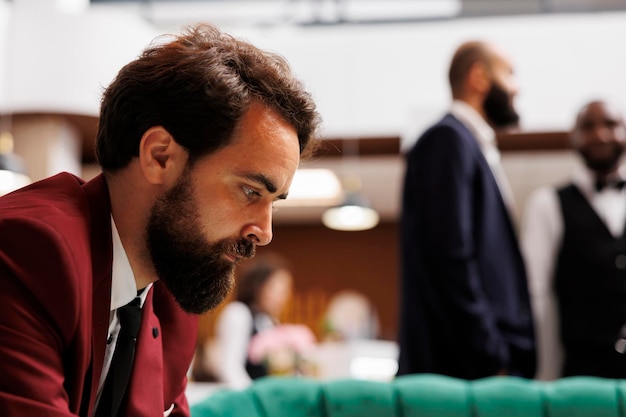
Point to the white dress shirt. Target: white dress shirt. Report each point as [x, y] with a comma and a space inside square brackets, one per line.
[541, 236]
[123, 291]
[486, 138]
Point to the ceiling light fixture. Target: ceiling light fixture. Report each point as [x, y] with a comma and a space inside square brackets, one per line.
[313, 188]
[354, 213]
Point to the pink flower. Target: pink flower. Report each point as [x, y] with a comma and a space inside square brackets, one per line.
[295, 337]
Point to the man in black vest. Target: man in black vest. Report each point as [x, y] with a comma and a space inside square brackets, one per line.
[574, 242]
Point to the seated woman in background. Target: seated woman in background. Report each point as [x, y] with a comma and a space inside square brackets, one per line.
[263, 290]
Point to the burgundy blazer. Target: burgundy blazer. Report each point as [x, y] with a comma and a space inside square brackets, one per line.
[55, 295]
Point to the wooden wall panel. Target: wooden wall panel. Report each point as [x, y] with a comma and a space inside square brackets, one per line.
[329, 261]
[366, 261]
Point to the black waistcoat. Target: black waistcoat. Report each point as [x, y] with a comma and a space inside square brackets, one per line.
[590, 280]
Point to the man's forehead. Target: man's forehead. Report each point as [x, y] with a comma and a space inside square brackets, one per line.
[599, 110]
[502, 62]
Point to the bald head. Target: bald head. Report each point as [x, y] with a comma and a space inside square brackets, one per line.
[599, 136]
[465, 58]
[597, 108]
[481, 75]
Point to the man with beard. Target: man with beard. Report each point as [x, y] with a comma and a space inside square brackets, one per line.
[574, 243]
[464, 298]
[197, 138]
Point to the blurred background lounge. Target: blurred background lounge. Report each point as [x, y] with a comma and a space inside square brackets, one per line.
[377, 69]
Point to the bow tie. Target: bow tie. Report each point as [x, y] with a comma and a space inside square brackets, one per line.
[602, 184]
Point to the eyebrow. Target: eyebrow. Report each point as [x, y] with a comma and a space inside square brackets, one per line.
[267, 183]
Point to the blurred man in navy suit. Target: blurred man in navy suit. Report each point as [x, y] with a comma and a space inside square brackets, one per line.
[465, 309]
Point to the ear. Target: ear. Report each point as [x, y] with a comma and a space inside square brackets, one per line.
[479, 78]
[162, 160]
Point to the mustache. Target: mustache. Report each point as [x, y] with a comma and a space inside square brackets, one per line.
[240, 248]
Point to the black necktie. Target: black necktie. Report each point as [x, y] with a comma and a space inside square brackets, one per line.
[602, 184]
[122, 361]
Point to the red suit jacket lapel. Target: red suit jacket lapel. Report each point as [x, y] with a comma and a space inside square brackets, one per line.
[102, 259]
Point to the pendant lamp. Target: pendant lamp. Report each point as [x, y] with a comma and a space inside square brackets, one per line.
[354, 213]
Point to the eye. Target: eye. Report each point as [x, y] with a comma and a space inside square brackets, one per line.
[586, 126]
[249, 192]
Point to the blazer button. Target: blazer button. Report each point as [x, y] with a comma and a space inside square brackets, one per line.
[155, 332]
[620, 261]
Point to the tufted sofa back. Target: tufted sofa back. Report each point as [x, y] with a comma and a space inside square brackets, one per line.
[421, 395]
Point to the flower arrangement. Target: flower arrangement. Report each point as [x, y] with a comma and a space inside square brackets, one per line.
[281, 348]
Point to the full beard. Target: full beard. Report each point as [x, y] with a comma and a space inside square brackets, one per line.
[194, 270]
[499, 108]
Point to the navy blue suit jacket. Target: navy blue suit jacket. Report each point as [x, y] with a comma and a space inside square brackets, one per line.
[465, 309]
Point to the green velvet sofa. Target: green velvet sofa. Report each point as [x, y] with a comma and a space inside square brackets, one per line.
[420, 396]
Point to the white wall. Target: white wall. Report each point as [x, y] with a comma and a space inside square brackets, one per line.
[377, 80]
[368, 80]
[61, 62]
[4, 33]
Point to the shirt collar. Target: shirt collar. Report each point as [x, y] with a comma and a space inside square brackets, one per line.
[585, 179]
[481, 130]
[123, 286]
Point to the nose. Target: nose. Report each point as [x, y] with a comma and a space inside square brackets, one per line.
[513, 87]
[602, 133]
[259, 231]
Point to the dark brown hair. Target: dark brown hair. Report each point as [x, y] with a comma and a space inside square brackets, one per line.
[198, 86]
